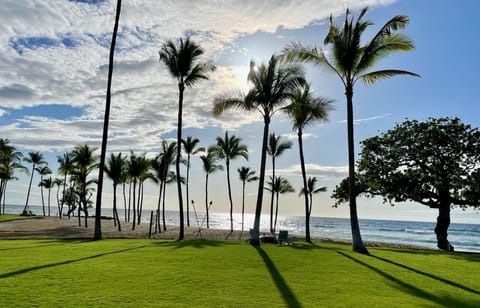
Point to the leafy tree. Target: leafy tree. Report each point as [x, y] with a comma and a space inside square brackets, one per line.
[352, 62]
[271, 86]
[275, 148]
[85, 161]
[229, 148]
[310, 190]
[10, 161]
[435, 163]
[209, 159]
[190, 148]
[103, 151]
[34, 158]
[305, 110]
[115, 170]
[279, 185]
[245, 175]
[43, 170]
[65, 168]
[182, 61]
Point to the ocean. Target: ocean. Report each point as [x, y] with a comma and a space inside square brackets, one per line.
[464, 237]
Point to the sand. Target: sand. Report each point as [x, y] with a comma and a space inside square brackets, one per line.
[55, 228]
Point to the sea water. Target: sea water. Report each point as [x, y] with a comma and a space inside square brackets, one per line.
[464, 237]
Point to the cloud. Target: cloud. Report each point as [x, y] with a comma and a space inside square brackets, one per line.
[369, 119]
[332, 172]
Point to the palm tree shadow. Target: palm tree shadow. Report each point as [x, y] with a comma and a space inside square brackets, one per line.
[413, 290]
[39, 267]
[282, 286]
[192, 243]
[416, 271]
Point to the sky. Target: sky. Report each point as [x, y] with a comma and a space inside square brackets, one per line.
[53, 74]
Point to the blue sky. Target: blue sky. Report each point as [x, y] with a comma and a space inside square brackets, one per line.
[53, 68]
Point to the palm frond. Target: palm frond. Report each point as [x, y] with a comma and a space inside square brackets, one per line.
[372, 77]
[235, 101]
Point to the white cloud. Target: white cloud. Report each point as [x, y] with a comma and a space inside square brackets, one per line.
[332, 172]
[369, 119]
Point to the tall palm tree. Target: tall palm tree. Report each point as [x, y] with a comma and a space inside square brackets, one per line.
[190, 145]
[305, 110]
[161, 164]
[311, 190]
[229, 148]
[115, 170]
[137, 166]
[278, 185]
[103, 151]
[43, 170]
[209, 159]
[10, 160]
[48, 184]
[85, 161]
[352, 62]
[275, 148]
[182, 61]
[34, 158]
[65, 168]
[271, 85]
[245, 175]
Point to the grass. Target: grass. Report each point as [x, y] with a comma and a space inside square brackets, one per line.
[115, 273]
[10, 217]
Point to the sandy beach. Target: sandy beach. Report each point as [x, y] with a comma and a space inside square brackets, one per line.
[55, 228]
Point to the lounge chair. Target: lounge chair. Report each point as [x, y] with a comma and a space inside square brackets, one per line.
[283, 238]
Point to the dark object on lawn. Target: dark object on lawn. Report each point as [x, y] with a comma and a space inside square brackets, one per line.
[283, 238]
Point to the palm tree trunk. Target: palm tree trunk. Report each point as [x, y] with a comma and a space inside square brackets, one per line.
[255, 240]
[181, 87]
[29, 187]
[276, 213]
[186, 187]
[124, 201]
[305, 187]
[63, 194]
[115, 211]
[129, 200]
[357, 243]
[206, 200]
[133, 205]
[157, 222]
[140, 202]
[41, 194]
[273, 193]
[48, 201]
[229, 194]
[243, 204]
[163, 205]
[98, 208]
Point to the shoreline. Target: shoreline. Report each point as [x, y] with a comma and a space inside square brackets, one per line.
[55, 228]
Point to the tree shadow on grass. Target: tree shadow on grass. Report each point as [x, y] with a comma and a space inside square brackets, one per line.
[416, 271]
[193, 243]
[415, 291]
[288, 296]
[39, 267]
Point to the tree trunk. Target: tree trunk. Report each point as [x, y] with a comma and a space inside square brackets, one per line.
[163, 206]
[157, 220]
[98, 207]
[133, 205]
[305, 186]
[276, 214]
[181, 88]
[48, 201]
[243, 204]
[186, 187]
[29, 188]
[357, 242]
[41, 194]
[227, 163]
[206, 200]
[115, 212]
[124, 201]
[272, 229]
[443, 222]
[255, 240]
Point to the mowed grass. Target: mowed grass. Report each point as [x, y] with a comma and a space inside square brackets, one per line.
[141, 273]
[10, 217]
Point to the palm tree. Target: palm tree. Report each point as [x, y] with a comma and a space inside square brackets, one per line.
[9, 162]
[275, 148]
[304, 110]
[115, 170]
[352, 62]
[85, 161]
[103, 151]
[311, 190]
[190, 149]
[42, 170]
[161, 164]
[34, 158]
[59, 183]
[65, 168]
[271, 85]
[48, 184]
[278, 185]
[229, 148]
[209, 159]
[137, 165]
[182, 61]
[245, 175]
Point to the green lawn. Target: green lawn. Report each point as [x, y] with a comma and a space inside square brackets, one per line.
[139, 273]
[9, 217]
